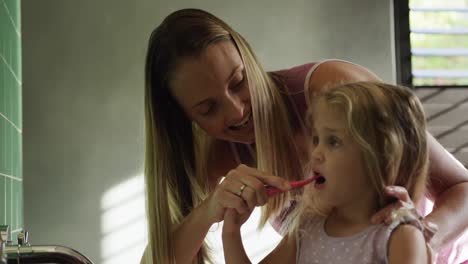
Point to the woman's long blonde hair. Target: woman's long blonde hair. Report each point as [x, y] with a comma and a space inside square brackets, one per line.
[388, 123]
[176, 150]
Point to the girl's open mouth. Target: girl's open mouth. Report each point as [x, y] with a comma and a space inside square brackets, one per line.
[320, 182]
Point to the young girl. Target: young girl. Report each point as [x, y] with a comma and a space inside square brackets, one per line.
[364, 136]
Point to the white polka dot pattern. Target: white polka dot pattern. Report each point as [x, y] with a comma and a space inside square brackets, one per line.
[367, 246]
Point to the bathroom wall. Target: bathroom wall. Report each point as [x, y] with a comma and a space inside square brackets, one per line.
[11, 127]
[83, 100]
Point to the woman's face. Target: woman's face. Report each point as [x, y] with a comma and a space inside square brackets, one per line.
[212, 89]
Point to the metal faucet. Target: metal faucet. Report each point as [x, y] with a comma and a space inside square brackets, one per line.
[4, 238]
[23, 252]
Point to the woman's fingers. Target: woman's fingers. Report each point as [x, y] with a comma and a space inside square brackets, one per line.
[230, 200]
[246, 193]
[398, 192]
[243, 188]
[385, 215]
[233, 220]
[382, 214]
[403, 202]
[275, 181]
[254, 185]
[255, 180]
[250, 196]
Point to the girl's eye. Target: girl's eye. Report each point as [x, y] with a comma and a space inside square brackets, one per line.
[315, 140]
[334, 141]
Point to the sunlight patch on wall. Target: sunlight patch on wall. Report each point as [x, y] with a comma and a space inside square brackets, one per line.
[124, 231]
[123, 222]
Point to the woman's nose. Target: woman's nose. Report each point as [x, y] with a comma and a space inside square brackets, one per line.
[235, 110]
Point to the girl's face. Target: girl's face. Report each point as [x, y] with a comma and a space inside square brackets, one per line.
[212, 90]
[336, 157]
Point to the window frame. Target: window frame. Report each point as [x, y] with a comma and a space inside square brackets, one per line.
[401, 13]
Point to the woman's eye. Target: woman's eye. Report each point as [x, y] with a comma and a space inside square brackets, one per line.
[208, 110]
[238, 85]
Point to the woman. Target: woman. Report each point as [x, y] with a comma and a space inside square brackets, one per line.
[210, 107]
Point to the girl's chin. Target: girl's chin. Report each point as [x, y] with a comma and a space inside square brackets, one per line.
[321, 207]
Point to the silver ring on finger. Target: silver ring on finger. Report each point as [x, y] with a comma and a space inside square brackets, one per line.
[241, 189]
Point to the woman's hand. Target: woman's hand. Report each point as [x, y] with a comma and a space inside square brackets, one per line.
[404, 210]
[242, 189]
[233, 221]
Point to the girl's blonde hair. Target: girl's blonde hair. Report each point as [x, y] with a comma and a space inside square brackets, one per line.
[177, 150]
[388, 123]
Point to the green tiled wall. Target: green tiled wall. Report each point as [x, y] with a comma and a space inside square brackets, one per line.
[11, 183]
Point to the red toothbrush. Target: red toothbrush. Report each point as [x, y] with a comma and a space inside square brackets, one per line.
[271, 191]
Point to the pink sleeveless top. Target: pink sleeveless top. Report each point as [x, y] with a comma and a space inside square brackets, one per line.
[369, 246]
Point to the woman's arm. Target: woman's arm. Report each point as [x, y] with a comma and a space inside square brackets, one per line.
[188, 237]
[448, 178]
[407, 246]
[190, 233]
[449, 187]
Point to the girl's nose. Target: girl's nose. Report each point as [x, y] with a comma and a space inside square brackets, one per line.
[317, 154]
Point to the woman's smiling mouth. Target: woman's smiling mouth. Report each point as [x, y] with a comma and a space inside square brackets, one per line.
[244, 123]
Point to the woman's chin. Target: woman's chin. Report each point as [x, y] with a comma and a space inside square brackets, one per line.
[244, 141]
[246, 138]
